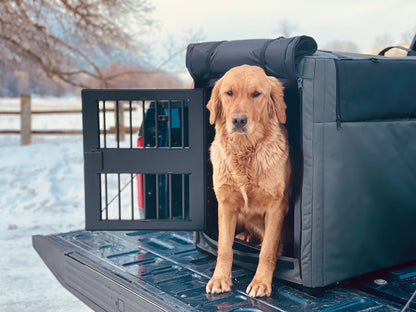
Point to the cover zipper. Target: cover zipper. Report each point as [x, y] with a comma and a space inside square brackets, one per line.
[337, 104]
[300, 85]
[338, 119]
[297, 216]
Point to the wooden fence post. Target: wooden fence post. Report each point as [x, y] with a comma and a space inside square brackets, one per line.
[25, 119]
[120, 120]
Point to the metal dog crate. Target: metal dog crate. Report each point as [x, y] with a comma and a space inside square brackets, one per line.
[147, 179]
[159, 177]
[351, 124]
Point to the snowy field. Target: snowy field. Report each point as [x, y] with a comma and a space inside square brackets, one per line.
[41, 193]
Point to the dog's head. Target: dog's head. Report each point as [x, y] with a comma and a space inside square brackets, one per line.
[246, 99]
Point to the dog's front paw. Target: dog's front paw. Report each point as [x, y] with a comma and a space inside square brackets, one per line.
[259, 289]
[218, 285]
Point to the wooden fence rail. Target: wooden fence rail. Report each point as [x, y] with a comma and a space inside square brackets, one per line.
[26, 119]
[41, 112]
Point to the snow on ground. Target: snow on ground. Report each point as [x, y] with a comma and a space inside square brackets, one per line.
[41, 192]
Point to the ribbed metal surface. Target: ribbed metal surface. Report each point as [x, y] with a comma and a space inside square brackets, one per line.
[163, 271]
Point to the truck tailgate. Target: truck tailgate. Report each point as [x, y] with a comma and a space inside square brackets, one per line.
[163, 271]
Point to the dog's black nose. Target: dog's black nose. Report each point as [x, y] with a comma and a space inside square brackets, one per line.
[239, 120]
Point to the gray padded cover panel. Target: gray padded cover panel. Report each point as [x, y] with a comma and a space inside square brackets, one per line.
[359, 179]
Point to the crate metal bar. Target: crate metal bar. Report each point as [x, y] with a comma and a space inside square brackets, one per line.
[183, 197]
[170, 196]
[151, 160]
[131, 124]
[147, 94]
[118, 124]
[157, 197]
[156, 124]
[104, 126]
[144, 196]
[132, 194]
[106, 195]
[183, 124]
[134, 225]
[170, 124]
[119, 195]
[143, 127]
[91, 142]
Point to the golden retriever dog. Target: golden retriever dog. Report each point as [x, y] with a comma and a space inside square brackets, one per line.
[251, 171]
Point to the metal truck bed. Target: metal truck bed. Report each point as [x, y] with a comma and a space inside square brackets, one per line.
[164, 271]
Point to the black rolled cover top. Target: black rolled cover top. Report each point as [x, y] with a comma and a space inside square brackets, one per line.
[208, 61]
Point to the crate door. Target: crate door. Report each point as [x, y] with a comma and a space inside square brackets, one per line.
[144, 159]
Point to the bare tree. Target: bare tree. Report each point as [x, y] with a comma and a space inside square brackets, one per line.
[172, 52]
[70, 39]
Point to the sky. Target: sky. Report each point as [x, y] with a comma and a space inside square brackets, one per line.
[358, 21]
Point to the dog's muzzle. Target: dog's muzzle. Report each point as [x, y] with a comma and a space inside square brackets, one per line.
[239, 122]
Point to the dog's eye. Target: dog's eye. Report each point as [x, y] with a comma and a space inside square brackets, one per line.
[255, 94]
[229, 92]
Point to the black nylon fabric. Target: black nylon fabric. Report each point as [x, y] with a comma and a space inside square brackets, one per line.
[376, 89]
[208, 61]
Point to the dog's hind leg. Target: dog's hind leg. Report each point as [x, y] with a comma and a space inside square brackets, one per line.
[245, 236]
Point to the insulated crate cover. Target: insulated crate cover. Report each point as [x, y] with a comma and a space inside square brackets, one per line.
[357, 211]
[358, 208]
[279, 57]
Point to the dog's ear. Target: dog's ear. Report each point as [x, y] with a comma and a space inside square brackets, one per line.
[214, 105]
[277, 105]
